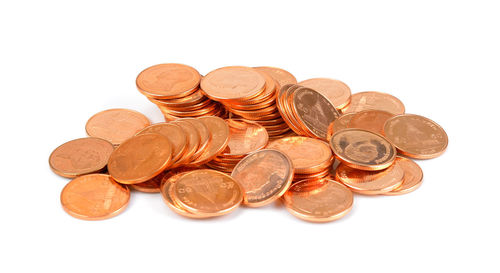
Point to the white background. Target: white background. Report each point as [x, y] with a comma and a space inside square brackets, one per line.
[61, 62]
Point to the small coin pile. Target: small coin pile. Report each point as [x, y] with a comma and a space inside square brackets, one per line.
[206, 166]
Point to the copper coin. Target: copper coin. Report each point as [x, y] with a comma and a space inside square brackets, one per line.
[207, 192]
[140, 158]
[370, 182]
[280, 75]
[173, 133]
[308, 155]
[80, 156]
[370, 120]
[318, 200]
[203, 132]
[314, 111]
[116, 125]
[375, 101]
[195, 97]
[166, 81]
[339, 124]
[416, 136]
[413, 176]
[363, 149]
[233, 83]
[150, 186]
[193, 140]
[94, 197]
[245, 137]
[337, 92]
[219, 130]
[264, 176]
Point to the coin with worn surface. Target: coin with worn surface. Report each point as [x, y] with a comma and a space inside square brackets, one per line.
[80, 156]
[370, 120]
[167, 81]
[416, 136]
[116, 125]
[413, 176]
[150, 186]
[318, 200]
[233, 83]
[207, 192]
[308, 155]
[94, 197]
[337, 92]
[264, 176]
[314, 111]
[370, 182]
[140, 158]
[375, 101]
[245, 137]
[363, 149]
[174, 134]
[340, 123]
[219, 130]
[280, 75]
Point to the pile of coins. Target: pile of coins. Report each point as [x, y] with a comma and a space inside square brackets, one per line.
[206, 166]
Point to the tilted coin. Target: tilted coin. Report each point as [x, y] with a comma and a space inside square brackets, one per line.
[193, 140]
[280, 75]
[412, 178]
[173, 133]
[340, 123]
[370, 182]
[203, 132]
[150, 186]
[80, 156]
[219, 131]
[370, 120]
[337, 92]
[245, 137]
[232, 83]
[371, 100]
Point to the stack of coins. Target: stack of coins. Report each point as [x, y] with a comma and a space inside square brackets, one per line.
[247, 93]
[174, 88]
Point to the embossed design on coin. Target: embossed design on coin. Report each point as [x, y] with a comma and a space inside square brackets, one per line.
[232, 83]
[413, 176]
[370, 182]
[173, 133]
[371, 100]
[264, 176]
[370, 120]
[94, 197]
[416, 136]
[362, 149]
[337, 92]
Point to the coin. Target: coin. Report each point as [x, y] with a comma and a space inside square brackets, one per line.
[80, 156]
[370, 182]
[166, 81]
[280, 75]
[245, 137]
[140, 158]
[193, 140]
[318, 200]
[375, 101]
[363, 149]
[416, 136]
[219, 130]
[337, 92]
[207, 192]
[203, 132]
[94, 197]
[370, 120]
[174, 134]
[116, 125]
[308, 155]
[340, 123]
[232, 83]
[150, 186]
[264, 176]
[413, 176]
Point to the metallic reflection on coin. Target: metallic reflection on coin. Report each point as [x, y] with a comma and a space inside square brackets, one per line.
[370, 120]
[219, 131]
[370, 182]
[339, 124]
[337, 92]
[174, 134]
[412, 178]
[232, 83]
[245, 137]
[150, 186]
[280, 75]
[375, 101]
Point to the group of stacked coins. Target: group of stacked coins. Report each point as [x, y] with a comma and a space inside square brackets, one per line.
[174, 88]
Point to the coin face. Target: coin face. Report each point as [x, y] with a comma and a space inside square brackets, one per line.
[80, 156]
[370, 182]
[264, 176]
[173, 133]
[140, 158]
[413, 176]
[416, 136]
[314, 111]
[207, 192]
[219, 131]
[308, 155]
[116, 125]
[318, 200]
[280, 75]
[340, 123]
[362, 149]
[232, 83]
[337, 92]
[370, 120]
[94, 197]
[166, 81]
[245, 137]
[375, 101]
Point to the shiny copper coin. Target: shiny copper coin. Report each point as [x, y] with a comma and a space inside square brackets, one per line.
[193, 140]
[192, 113]
[416, 136]
[337, 92]
[94, 197]
[233, 83]
[174, 134]
[363, 149]
[413, 176]
[245, 137]
[116, 125]
[283, 104]
[195, 97]
[370, 182]
[340, 123]
[80, 156]
[219, 130]
[280, 75]
[150, 186]
[264, 176]
[203, 132]
[320, 174]
[375, 101]
[318, 200]
[308, 155]
[166, 81]
[207, 192]
[370, 120]
[140, 158]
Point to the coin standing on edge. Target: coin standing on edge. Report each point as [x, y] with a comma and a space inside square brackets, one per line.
[370, 182]
[413, 176]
